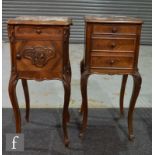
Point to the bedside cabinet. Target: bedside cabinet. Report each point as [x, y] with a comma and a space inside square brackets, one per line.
[39, 51]
[112, 47]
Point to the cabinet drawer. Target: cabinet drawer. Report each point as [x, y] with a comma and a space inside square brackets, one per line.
[111, 44]
[40, 32]
[114, 29]
[41, 57]
[112, 62]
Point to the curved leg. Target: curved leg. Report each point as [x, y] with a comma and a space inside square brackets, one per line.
[69, 75]
[69, 72]
[82, 70]
[136, 88]
[124, 80]
[13, 98]
[66, 117]
[84, 81]
[27, 99]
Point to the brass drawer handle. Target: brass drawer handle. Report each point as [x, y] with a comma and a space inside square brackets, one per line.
[38, 31]
[18, 56]
[112, 62]
[114, 29]
[113, 45]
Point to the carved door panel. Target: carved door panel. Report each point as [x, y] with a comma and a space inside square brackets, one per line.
[38, 59]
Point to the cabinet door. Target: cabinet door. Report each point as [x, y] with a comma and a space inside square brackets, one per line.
[39, 59]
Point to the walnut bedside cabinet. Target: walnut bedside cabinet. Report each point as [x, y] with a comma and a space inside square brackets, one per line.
[112, 47]
[39, 51]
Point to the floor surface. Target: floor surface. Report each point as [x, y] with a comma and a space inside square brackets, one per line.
[106, 133]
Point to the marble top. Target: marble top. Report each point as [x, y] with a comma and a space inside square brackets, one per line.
[113, 19]
[43, 20]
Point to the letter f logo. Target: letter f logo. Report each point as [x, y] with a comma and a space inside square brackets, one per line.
[13, 142]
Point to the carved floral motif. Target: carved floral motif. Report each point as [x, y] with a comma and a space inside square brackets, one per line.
[39, 55]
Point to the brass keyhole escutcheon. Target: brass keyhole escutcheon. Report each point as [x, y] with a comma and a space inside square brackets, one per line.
[18, 56]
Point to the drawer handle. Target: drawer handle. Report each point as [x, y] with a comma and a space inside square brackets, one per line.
[112, 62]
[38, 31]
[113, 45]
[114, 29]
[18, 56]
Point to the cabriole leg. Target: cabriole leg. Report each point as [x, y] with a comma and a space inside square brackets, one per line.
[84, 81]
[27, 99]
[82, 70]
[123, 86]
[136, 89]
[66, 116]
[13, 98]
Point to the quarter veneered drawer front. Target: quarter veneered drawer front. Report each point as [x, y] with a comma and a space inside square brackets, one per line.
[40, 32]
[114, 29]
[111, 44]
[41, 57]
[112, 62]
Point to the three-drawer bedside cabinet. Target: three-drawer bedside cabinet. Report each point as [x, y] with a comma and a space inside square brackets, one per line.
[39, 51]
[111, 47]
